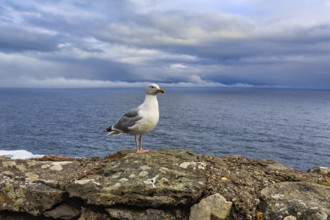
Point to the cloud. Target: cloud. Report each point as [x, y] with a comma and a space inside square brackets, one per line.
[84, 83]
[273, 43]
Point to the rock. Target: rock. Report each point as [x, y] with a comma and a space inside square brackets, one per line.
[324, 171]
[320, 170]
[146, 214]
[212, 207]
[19, 196]
[20, 216]
[55, 174]
[154, 179]
[245, 179]
[35, 186]
[89, 214]
[290, 217]
[160, 184]
[64, 211]
[298, 199]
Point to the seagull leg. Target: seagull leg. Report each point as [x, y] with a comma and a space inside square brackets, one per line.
[137, 144]
[140, 142]
[140, 149]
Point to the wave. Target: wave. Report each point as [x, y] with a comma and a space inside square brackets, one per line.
[18, 154]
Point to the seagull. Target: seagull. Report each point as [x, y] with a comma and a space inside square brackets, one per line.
[140, 120]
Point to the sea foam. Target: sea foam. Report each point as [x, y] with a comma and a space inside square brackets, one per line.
[18, 154]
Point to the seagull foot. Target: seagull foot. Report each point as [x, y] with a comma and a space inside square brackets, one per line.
[142, 151]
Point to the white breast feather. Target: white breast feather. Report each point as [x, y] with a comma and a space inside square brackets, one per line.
[150, 116]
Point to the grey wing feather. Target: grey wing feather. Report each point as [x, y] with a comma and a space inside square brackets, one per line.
[127, 120]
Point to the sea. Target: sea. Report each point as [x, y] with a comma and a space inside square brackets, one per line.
[291, 126]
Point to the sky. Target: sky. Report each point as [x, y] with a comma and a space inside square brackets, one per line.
[119, 43]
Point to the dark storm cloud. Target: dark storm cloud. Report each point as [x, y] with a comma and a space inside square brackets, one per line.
[54, 43]
[18, 39]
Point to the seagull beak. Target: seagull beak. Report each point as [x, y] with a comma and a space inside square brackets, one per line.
[161, 90]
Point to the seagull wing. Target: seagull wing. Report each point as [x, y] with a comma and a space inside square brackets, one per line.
[125, 122]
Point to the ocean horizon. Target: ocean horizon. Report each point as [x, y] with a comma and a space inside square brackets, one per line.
[291, 126]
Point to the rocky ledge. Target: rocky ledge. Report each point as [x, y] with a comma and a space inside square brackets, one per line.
[163, 184]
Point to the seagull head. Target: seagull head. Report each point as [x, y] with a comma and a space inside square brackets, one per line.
[153, 89]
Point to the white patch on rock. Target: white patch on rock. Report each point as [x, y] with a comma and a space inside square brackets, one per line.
[116, 175]
[58, 165]
[122, 180]
[277, 196]
[164, 170]
[45, 166]
[8, 173]
[185, 165]
[115, 165]
[9, 163]
[152, 181]
[143, 173]
[116, 186]
[85, 181]
[193, 165]
[31, 176]
[145, 168]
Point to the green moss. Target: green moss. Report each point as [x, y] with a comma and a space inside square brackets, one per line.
[324, 183]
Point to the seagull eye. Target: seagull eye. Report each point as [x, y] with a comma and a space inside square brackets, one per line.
[152, 87]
